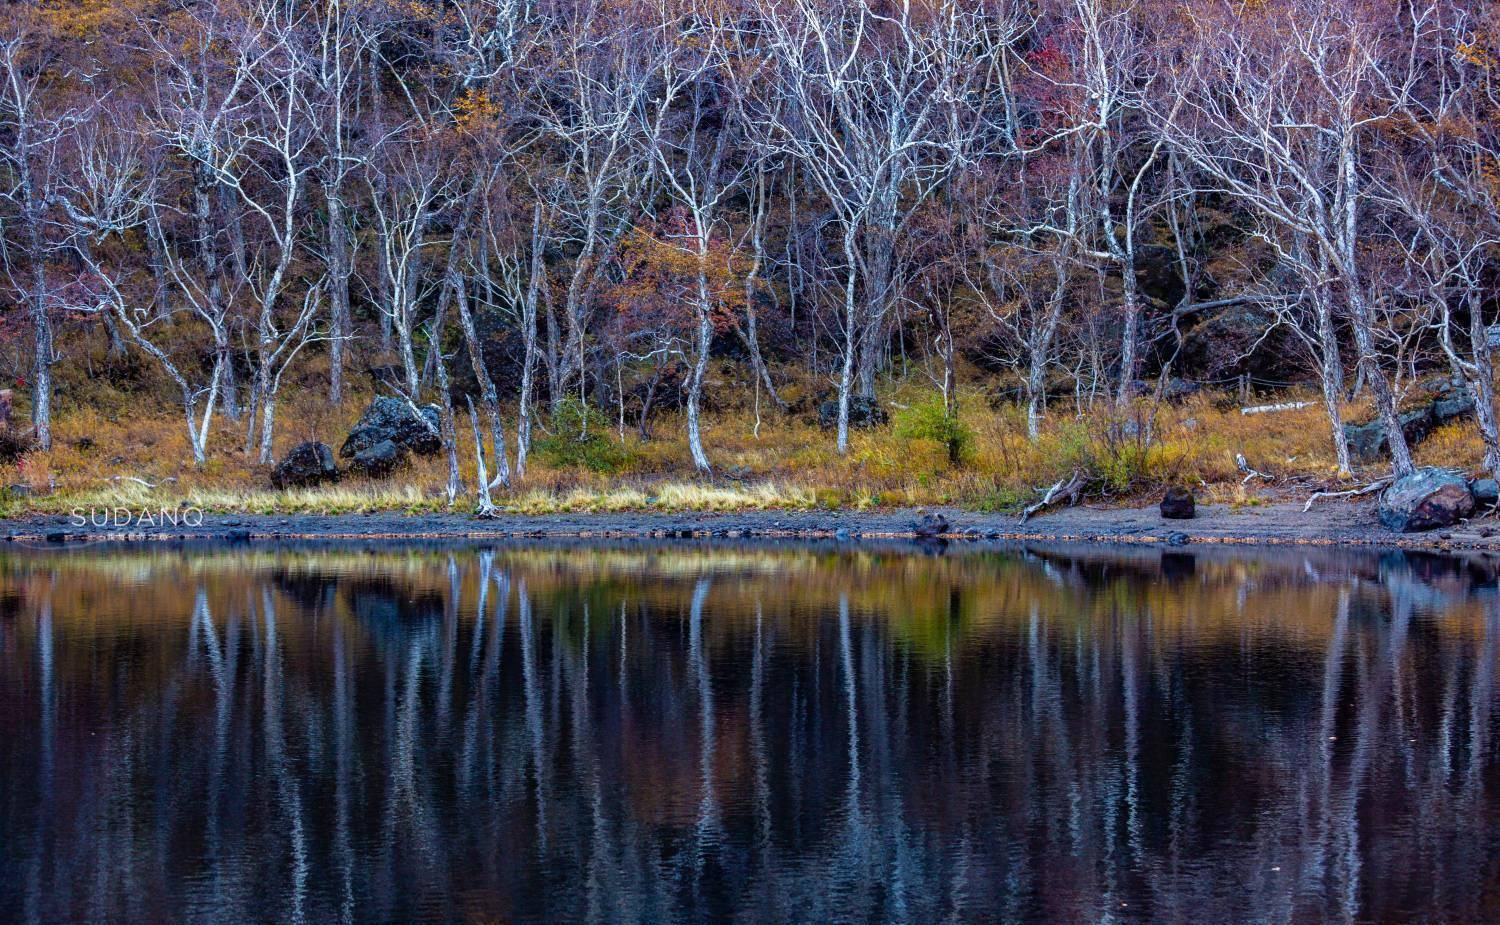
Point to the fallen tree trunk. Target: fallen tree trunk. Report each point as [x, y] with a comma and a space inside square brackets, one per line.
[1066, 489]
[1283, 406]
[1348, 493]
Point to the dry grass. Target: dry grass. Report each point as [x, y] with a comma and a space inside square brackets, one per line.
[103, 435]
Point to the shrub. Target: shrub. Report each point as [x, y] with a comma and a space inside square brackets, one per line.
[1118, 462]
[935, 421]
[581, 439]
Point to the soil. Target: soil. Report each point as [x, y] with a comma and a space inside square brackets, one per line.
[1331, 523]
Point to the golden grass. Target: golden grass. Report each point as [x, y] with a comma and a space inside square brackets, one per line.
[789, 463]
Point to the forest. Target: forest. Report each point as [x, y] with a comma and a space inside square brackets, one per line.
[807, 251]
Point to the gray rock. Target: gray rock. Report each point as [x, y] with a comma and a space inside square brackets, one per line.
[393, 419]
[307, 464]
[1425, 500]
[1367, 442]
[1486, 492]
[1177, 389]
[378, 461]
[1178, 504]
[930, 525]
[863, 413]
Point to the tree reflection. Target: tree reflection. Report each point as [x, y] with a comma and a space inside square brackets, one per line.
[639, 733]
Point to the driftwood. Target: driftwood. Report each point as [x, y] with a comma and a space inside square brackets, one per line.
[1347, 493]
[149, 485]
[1283, 406]
[1239, 460]
[1062, 490]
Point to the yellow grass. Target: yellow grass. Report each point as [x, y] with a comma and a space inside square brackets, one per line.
[788, 462]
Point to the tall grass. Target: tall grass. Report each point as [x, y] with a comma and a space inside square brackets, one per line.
[978, 456]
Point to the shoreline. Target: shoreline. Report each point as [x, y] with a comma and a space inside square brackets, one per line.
[1335, 523]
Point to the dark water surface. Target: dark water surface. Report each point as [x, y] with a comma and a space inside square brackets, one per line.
[773, 733]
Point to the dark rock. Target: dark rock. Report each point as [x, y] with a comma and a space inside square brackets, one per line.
[378, 461]
[307, 464]
[20, 490]
[395, 420]
[930, 525]
[1178, 504]
[1449, 409]
[1486, 492]
[1177, 389]
[1425, 500]
[863, 413]
[1367, 442]
[1176, 538]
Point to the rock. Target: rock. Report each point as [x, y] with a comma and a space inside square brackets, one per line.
[1367, 442]
[1448, 409]
[1177, 538]
[931, 525]
[395, 420]
[308, 464]
[1425, 500]
[863, 413]
[1486, 492]
[1178, 504]
[1177, 389]
[378, 461]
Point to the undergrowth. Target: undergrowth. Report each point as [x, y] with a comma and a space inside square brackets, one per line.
[131, 450]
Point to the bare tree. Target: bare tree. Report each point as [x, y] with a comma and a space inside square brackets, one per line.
[32, 124]
[1280, 119]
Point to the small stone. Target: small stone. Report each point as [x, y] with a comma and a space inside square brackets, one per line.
[930, 525]
[1486, 492]
[1178, 504]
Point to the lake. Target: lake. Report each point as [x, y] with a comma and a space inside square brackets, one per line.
[699, 732]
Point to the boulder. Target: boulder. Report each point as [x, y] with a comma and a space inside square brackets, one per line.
[378, 461]
[931, 525]
[395, 419]
[1178, 504]
[863, 413]
[1486, 492]
[1425, 500]
[1367, 442]
[307, 464]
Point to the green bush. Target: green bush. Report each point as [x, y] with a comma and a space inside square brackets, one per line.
[932, 420]
[1118, 462]
[581, 439]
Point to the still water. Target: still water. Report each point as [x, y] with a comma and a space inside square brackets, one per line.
[750, 733]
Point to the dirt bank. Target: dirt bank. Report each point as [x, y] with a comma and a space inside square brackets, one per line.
[1332, 523]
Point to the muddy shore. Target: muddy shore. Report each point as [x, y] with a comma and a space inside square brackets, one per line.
[1334, 523]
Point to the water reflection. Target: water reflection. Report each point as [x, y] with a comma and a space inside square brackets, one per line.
[769, 733]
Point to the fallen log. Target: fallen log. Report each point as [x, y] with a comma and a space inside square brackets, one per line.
[1348, 493]
[1062, 490]
[1283, 406]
